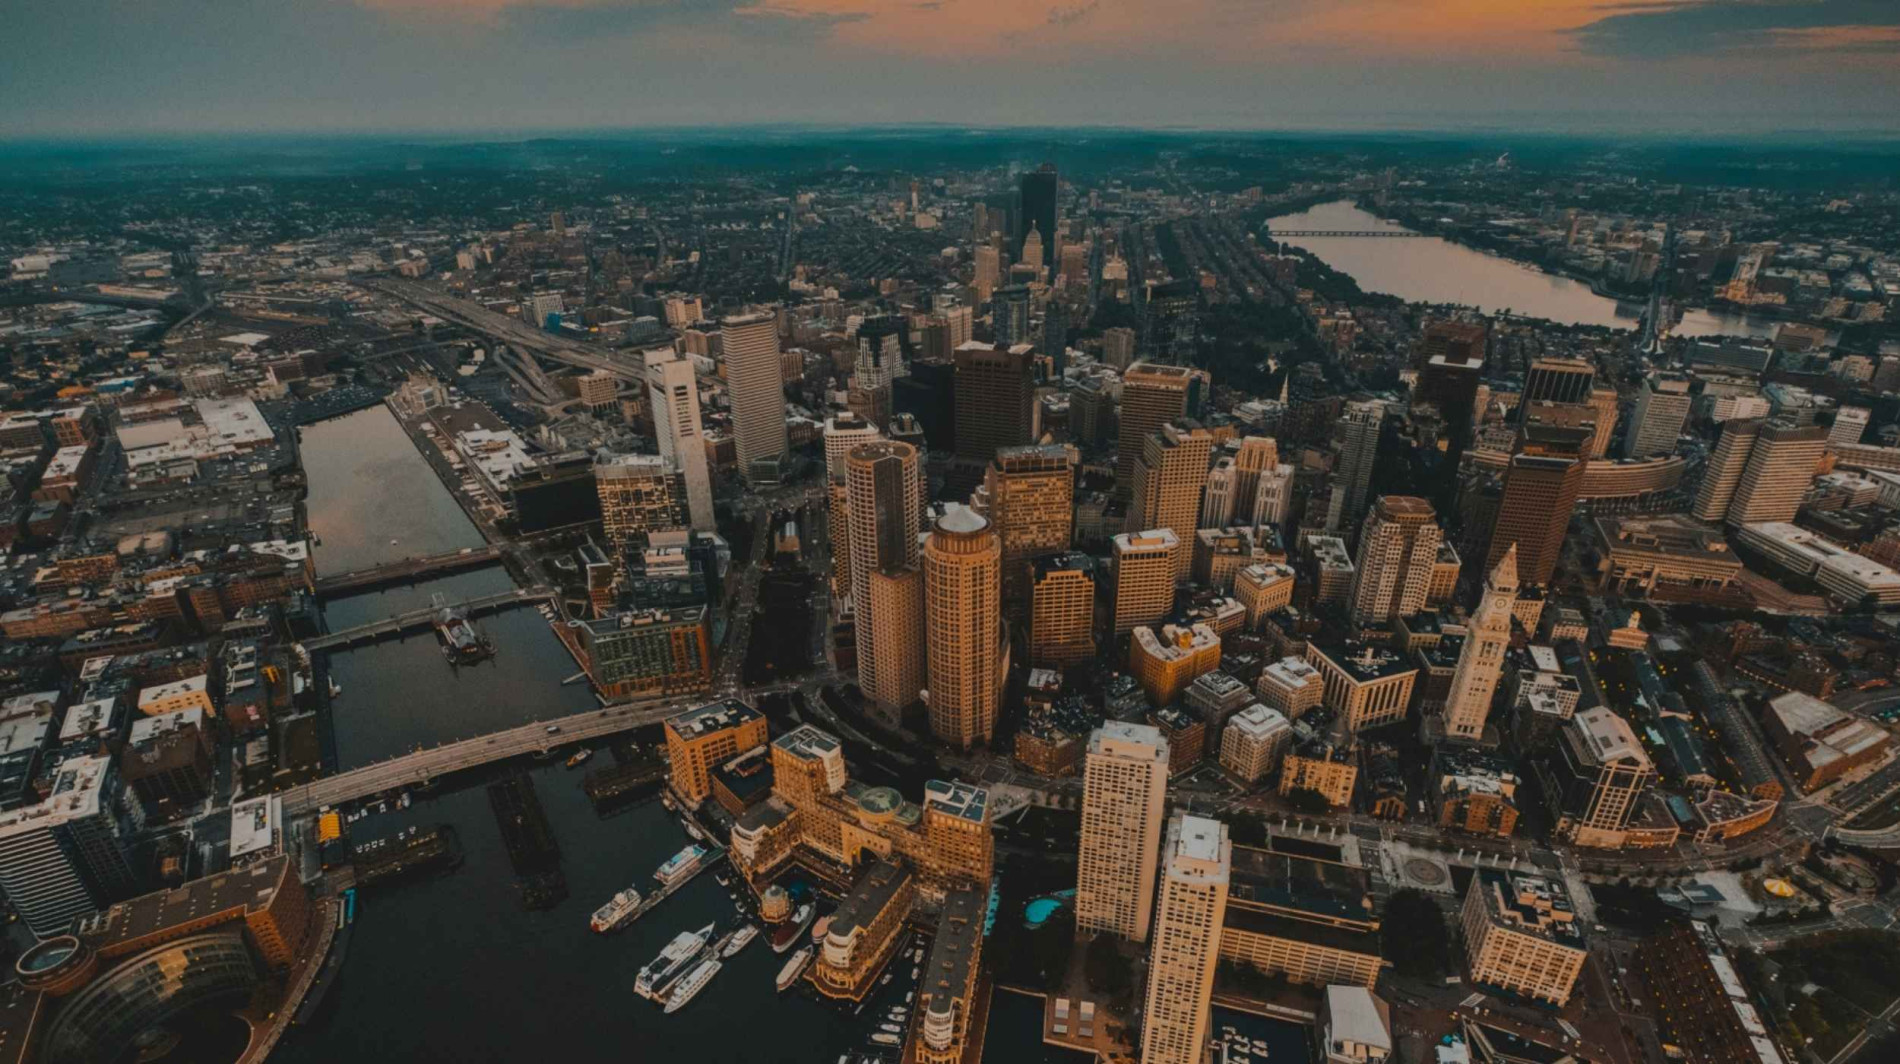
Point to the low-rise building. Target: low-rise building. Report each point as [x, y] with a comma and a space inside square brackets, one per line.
[1355, 1026]
[1366, 684]
[1302, 914]
[1166, 662]
[1291, 686]
[1819, 742]
[1255, 742]
[865, 930]
[699, 740]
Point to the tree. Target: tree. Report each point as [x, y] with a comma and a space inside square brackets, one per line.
[1247, 829]
[1416, 940]
[1307, 800]
[1109, 973]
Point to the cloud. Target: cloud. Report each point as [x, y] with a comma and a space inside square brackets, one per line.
[1069, 16]
[1686, 28]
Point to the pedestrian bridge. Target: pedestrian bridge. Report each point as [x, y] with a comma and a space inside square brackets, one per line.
[424, 616]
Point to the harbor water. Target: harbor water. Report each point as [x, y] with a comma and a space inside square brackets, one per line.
[1434, 270]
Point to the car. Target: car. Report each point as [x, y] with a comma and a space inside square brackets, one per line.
[554, 729]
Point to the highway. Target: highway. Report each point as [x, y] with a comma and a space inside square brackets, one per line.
[417, 618]
[510, 331]
[424, 765]
[408, 569]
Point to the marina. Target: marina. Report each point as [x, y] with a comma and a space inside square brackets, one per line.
[413, 851]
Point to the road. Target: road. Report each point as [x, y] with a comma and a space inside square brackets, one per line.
[510, 331]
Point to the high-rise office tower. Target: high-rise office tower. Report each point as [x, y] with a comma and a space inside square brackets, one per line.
[1487, 637]
[1118, 346]
[1723, 472]
[884, 503]
[1256, 456]
[1171, 320]
[892, 610]
[968, 656]
[843, 433]
[1152, 396]
[1038, 190]
[1124, 796]
[1144, 565]
[995, 400]
[1357, 434]
[1032, 255]
[1539, 494]
[1558, 380]
[1850, 423]
[1398, 546]
[67, 855]
[1217, 494]
[674, 394]
[1090, 409]
[1061, 610]
[1661, 408]
[1029, 496]
[1595, 777]
[1196, 866]
[1603, 406]
[989, 272]
[1168, 480]
[757, 389]
[1780, 468]
[639, 494]
[1273, 496]
[1055, 336]
[1009, 316]
[880, 360]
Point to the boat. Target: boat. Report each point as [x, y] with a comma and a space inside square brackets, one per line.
[681, 866]
[794, 968]
[335, 690]
[678, 955]
[618, 910]
[580, 758]
[461, 643]
[690, 986]
[884, 1039]
[891, 1027]
[740, 939]
[785, 935]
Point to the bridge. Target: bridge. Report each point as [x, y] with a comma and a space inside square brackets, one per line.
[408, 569]
[418, 618]
[506, 330]
[1278, 234]
[422, 766]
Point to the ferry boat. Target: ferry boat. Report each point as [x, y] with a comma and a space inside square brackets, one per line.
[794, 968]
[461, 643]
[785, 935]
[580, 758]
[694, 982]
[672, 962]
[680, 866]
[885, 1039]
[740, 939]
[618, 910]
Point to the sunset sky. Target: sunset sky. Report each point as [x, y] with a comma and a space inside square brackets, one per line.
[77, 67]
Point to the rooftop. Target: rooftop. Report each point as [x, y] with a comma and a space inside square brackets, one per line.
[243, 890]
[712, 717]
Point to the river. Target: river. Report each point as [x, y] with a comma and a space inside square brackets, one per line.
[1434, 270]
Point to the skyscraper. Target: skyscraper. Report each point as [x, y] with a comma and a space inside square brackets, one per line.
[884, 500]
[1118, 346]
[1039, 188]
[1029, 495]
[1032, 255]
[1062, 610]
[66, 855]
[1357, 435]
[879, 361]
[1168, 480]
[995, 400]
[1257, 456]
[1197, 864]
[1481, 659]
[1780, 468]
[1656, 421]
[1558, 380]
[989, 272]
[1723, 472]
[673, 392]
[1152, 396]
[968, 655]
[1009, 316]
[1144, 565]
[1124, 795]
[1540, 491]
[750, 343]
[1398, 546]
[639, 494]
[1055, 336]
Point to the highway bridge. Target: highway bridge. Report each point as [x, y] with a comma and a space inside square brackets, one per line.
[408, 569]
[511, 331]
[422, 617]
[1281, 234]
[425, 765]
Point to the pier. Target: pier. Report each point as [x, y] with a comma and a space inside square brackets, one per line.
[424, 616]
[408, 570]
[650, 902]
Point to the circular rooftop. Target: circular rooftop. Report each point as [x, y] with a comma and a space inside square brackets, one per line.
[962, 522]
[880, 800]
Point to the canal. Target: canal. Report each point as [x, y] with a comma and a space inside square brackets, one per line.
[452, 969]
[1434, 270]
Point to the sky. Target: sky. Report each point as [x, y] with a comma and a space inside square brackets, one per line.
[1713, 67]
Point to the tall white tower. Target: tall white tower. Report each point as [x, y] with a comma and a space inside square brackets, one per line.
[1476, 678]
[1194, 880]
[1124, 793]
[673, 392]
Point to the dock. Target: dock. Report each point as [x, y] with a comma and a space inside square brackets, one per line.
[623, 781]
[529, 839]
[653, 900]
[385, 860]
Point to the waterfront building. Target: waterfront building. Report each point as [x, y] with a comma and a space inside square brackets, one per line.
[266, 897]
[1144, 565]
[1263, 588]
[1521, 935]
[865, 930]
[1124, 796]
[1062, 610]
[673, 392]
[700, 740]
[1153, 395]
[1481, 659]
[1167, 484]
[756, 385]
[1398, 549]
[968, 655]
[643, 653]
[995, 400]
[1197, 863]
[639, 494]
[947, 993]
[1303, 912]
[1165, 662]
[884, 488]
[1365, 684]
[1254, 742]
[67, 855]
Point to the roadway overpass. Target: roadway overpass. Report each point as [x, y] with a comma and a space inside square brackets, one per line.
[408, 569]
[425, 615]
[506, 330]
[436, 762]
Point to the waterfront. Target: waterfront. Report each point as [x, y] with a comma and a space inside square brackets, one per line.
[408, 514]
[1434, 270]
